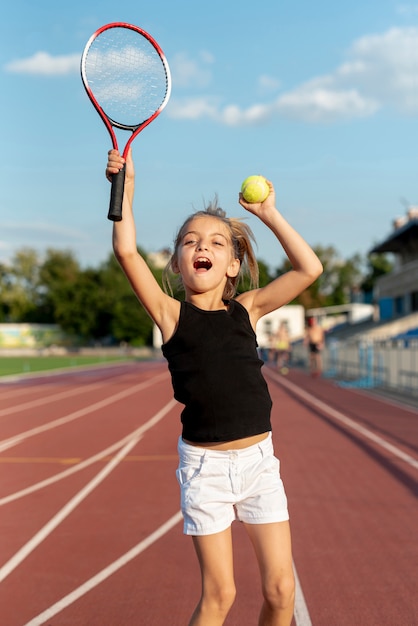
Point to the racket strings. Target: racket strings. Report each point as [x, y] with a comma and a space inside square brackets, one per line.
[126, 75]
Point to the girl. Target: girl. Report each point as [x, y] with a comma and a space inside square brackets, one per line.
[227, 467]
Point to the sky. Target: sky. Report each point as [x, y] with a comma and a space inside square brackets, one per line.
[319, 97]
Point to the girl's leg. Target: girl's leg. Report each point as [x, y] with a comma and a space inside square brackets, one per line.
[272, 544]
[218, 588]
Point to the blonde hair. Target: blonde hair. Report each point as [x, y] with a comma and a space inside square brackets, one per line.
[241, 238]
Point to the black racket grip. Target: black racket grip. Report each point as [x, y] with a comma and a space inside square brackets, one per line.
[116, 196]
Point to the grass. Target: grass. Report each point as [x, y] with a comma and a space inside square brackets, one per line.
[20, 365]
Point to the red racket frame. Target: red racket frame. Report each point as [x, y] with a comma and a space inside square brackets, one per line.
[115, 209]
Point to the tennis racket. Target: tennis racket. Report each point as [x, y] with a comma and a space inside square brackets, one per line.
[127, 78]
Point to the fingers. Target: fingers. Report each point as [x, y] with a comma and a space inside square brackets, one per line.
[254, 207]
[114, 163]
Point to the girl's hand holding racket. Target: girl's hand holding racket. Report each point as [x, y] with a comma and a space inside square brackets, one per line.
[116, 163]
[127, 78]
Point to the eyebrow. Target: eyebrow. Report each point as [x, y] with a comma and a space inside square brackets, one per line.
[195, 232]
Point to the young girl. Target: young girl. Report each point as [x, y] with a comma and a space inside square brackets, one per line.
[227, 467]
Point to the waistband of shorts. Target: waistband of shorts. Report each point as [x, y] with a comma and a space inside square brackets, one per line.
[264, 447]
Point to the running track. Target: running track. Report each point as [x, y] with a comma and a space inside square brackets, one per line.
[90, 529]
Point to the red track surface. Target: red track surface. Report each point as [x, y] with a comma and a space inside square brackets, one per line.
[89, 547]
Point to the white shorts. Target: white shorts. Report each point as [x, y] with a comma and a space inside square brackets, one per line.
[219, 486]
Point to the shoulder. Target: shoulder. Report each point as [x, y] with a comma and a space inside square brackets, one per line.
[248, 301]
[170, 318]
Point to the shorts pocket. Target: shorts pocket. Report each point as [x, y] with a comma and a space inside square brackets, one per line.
[190, 468]
[272, 465]
[186, 473]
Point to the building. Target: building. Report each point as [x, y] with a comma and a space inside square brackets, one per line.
[293, 315]
[396, 293]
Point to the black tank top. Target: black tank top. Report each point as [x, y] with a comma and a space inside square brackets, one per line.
[216, 374]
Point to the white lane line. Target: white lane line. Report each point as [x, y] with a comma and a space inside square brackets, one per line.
[302, 617]
[105, 573]
[14, 441]
[31, 404]
[20, 392]
[47, 529]
[93, 459]
[347, 421]
[121, 372]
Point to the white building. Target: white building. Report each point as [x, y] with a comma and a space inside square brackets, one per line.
[294, 317]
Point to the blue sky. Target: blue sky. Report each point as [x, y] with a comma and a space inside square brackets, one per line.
[320, 97]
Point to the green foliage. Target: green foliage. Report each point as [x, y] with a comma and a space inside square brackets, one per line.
[377, 265]
[264, 278]
[129, 321]
[57, 274]
[339, 279]
[18, 287]
[336, 285]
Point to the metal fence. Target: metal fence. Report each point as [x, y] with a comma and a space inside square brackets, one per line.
[390, 364]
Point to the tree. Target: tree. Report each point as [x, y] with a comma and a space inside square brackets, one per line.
[377, 265]
[264, 278]
[335, 285]
[19, 284]
[78, 306]
[3, 290]
[340, 278]
[129, 322]
[58, 270]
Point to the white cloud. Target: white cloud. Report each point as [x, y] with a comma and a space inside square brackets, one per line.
[41, 231]
[381, 70]
[390, 68]
[256, 114]
[268, 84]
[193, 108]
[43, 64]
[191, 72]
[311, 105]
[43, 236]
[324, 104]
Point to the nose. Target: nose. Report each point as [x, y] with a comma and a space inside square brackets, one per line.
[202, 245]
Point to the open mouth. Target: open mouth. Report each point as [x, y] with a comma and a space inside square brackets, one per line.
[202, 263]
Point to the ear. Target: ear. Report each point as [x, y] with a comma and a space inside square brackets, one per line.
[175, 267]
[233, 268]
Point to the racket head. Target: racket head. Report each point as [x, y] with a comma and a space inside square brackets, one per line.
[127, 78]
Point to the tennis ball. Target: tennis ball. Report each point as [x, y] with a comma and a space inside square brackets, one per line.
[255, 189]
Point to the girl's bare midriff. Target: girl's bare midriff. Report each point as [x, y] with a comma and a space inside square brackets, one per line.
[236, 444]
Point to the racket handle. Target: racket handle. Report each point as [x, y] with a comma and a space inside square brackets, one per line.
[116, 196]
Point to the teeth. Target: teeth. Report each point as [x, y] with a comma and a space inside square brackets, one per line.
[202, 262]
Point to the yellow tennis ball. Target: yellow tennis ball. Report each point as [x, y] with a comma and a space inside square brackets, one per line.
[255, 189]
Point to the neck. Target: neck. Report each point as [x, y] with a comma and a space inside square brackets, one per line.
[206, 301]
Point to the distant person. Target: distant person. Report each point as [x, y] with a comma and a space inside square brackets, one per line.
[314, 340]
[282, 347]
[227, 468]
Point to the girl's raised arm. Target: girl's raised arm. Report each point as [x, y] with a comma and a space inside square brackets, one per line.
[306, 267]
[163, 309]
